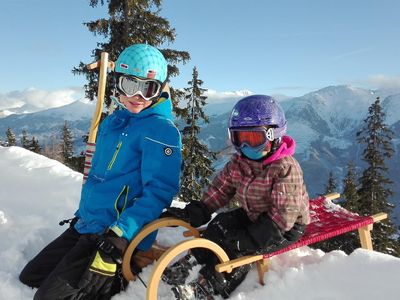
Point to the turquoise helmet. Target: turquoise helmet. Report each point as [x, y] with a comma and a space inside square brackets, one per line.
[143, 61]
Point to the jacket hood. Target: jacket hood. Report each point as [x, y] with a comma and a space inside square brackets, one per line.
[287, 148]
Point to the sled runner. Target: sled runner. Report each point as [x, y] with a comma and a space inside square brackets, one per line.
[327, 220]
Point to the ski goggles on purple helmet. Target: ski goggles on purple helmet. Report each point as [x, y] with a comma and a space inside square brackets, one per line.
[130, 86]
[251, 136]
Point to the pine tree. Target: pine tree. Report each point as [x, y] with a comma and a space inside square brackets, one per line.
[130, 22]
[331, 186]
[340, 242]
[34, 145]
[350, 191]
[77, 163]
[24, 140]
[347, 242]
[375, 185]
[11, 139]
[197, 159]
[66, 148]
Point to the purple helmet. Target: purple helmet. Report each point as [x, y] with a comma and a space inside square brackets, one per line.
[258, 110]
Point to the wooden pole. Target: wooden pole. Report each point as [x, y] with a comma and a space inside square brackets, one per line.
[101, 89]
[103, 64]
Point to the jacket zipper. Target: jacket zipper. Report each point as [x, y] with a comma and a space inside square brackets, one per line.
[125, 190]
[111, 163]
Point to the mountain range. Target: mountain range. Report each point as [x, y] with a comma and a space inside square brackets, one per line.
[323, 123]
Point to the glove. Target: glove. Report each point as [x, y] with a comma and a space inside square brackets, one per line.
[112, 245]
[258, 235]
[294, 234]
[195, 213]
[264, 231]
[176, 212]
[98, 277]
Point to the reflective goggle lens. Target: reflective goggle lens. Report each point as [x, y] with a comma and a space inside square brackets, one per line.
[131, 86]
[252, 138]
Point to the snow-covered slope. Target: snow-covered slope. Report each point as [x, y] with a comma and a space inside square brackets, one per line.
[36, 193]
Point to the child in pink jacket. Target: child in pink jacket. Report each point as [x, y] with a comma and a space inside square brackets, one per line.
[267, 181]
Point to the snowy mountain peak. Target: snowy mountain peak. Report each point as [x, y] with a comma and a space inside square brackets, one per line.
[76, 110]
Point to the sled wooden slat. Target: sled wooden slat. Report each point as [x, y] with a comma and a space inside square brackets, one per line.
[234, 263]
[379, 217]
[323, 226]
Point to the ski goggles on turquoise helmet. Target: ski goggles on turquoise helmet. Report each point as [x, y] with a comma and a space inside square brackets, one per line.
[130, 86]
[255, 137]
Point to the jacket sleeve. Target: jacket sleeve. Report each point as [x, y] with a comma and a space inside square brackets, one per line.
[289, 197]
[221, 189]
[160, 172]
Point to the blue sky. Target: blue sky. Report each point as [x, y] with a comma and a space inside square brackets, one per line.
[271, 47]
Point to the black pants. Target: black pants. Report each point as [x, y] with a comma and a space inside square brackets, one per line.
[216, 231]
[58, 268]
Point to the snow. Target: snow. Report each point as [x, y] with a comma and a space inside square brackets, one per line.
[36, 193]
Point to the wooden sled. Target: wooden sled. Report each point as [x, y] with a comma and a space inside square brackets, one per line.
[327, 220]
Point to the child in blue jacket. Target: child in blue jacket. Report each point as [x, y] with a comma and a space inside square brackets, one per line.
[134, 176]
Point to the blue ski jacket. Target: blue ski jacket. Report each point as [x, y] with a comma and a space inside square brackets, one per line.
[135, 172]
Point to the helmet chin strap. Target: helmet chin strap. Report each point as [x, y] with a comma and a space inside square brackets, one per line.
[119, 103]
[275, 145]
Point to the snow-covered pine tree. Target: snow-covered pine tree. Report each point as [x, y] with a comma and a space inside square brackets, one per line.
[197, 158]
[66, 147]
[374, 191]
[11, 139]
[130, 22]
[24, 140]
[34, 145]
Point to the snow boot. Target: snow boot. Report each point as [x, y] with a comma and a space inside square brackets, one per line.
[198, 289]
[179, 271]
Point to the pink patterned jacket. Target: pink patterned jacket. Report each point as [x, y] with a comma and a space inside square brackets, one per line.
[275, 186]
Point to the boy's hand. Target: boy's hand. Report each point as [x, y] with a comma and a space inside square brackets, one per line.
[98, 277]
[112, 245]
